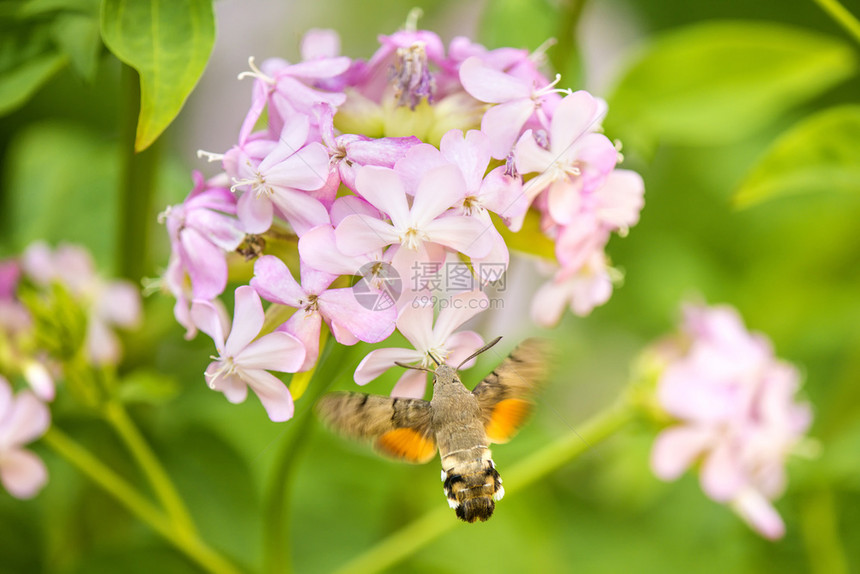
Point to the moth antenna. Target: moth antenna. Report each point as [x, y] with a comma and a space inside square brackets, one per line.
[479, 351]
[434, 359]
[405, 366]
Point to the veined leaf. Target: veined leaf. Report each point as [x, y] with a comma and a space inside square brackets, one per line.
[168, 42]
[718, 82]
[819, 154]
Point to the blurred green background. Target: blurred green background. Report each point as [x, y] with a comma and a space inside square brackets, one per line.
[699, 92]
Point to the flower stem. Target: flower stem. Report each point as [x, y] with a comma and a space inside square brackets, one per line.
[166, 493]
[841, 16]
[122, 491]
[276, 529]
[137, 187]
[419, 533]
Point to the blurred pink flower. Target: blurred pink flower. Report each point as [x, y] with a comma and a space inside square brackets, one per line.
[736, 413]
[23, 418]
[244, 362]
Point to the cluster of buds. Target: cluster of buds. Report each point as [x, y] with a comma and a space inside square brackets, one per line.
[386, 170]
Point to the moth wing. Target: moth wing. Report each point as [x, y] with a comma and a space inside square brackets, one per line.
[399, 428]
[505, 395]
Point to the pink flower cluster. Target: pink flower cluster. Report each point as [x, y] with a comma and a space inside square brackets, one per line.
[737, 415]
[106, 305]
[378, 168]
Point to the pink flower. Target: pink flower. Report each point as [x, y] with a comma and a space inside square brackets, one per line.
[202, 229]
[416, 324]
[582, 289]
[243, 362]
[414, 228]
[23, 418]
[108, 303]
[349, 321]
[736, 413]
[282, 179]
[519, 99]
[577, 160]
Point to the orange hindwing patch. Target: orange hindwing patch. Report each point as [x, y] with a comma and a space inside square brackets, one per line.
[507, 417]
[407, 444]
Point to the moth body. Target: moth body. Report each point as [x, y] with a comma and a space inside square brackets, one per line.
[458, 423]
[471, 482]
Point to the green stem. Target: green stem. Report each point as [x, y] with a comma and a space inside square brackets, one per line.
[820, 528]
[842, 16]
[276, 531]
[166, 493]
[129, 497]
[137, 187]
[421, 532]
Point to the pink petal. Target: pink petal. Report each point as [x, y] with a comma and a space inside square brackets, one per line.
[461, 233]
[378, 361]
[274, 282]
[276, 351]
[232, 386]
[503, 124]
[103, 346]
[549, 303]
[384, 189]
[532, 158]
[722, 474]
[416, 163]
[318, 248]
[416, 324]
[471, 154]
[489, 85]
[5, 397]
[22, 473]
[207, 318]
[254, 212]
[352, 205]
[248, 319]
[39, 379]
[222, 230]
[27, 419]
[759, 513]
[342, 308]
[205, 264]
[314, 281]
[564, 200]
[301, 210]
[361, 234]
[119, 303]
[412, 385]
[461, 345]
[306, 327]
[320, 43]
[306, 169]
[273, 394]
[440, 188]
[575, 115]
[460, 308]
[317, 68]
[503, 195]
[677, 448]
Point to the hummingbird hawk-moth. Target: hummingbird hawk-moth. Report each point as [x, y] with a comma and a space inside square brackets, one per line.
[459, 423]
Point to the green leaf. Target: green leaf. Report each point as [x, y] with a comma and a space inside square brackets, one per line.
[819, 154]
[715, 83]
[168, 42]
[21, 82]
[77, 35]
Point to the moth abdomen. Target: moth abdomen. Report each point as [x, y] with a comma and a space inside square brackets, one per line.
[472, 492]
